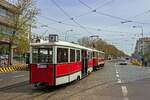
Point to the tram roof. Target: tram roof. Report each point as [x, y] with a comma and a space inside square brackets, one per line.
[61, 43]
[98, 51]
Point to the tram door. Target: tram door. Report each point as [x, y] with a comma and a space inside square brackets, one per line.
[84, 62]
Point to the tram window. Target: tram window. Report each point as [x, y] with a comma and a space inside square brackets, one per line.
[99, 55]
[96, 54]
[62, 55]
[90, 55]
[35, 55]
[78, 55]
[42, 55]
[72, 55]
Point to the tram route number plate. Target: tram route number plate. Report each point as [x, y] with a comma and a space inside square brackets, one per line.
[41, 66]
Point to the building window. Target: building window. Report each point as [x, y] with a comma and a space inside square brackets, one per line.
[2, 12]
[72, 55]
[5, 13]
[5, 30]
[78, 55]
[10, 15]
[62, 55]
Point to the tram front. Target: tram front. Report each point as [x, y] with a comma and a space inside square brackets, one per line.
[42, 64]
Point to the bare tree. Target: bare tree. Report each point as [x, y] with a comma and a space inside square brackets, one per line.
[85, 41]
[25, 17]
[100, 44]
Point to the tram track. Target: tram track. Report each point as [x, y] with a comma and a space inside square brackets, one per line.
[92, 87]
[52, 90]
[29, 96]
[14, 86]
[46, 97]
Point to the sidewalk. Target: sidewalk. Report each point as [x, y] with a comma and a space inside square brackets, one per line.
[16, 67]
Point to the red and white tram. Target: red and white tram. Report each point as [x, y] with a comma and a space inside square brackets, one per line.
[57, 62]
[98, 59]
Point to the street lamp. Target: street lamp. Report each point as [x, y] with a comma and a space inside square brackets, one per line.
[66, 33]
[141, 29]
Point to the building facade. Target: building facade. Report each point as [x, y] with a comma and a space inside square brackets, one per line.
[8, 13]
[142, 51]
[142, 45]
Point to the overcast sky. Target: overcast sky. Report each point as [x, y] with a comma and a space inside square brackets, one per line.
[105, 22]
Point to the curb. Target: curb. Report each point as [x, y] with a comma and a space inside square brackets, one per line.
[13, 68]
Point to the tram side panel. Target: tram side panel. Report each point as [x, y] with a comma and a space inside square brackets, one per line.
[67, 72]
[101, 60]
[95, 61]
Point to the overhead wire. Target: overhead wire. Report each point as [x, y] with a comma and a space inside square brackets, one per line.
[91, 28]
[132, 17]
[85, 4]
[140, 14]
[120, 18]
[111, 16]
[84, 14]
[71, 18]
[78, 24]
[106, 3]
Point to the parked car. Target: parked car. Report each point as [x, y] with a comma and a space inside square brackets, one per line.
[3, 56]
[123, 62]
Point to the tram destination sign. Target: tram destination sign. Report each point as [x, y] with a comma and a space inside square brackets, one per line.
[41, 66]
[53, 38]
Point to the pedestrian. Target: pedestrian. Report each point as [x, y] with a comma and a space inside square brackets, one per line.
[145, 63]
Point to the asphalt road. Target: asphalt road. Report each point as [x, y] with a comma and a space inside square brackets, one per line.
[113, 82]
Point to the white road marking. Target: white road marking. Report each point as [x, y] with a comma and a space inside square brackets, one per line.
[117, 75]
[124, 88]
[124, 91]
[18, 76]
[119, 81]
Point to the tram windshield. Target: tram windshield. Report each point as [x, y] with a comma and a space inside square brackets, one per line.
[42, 55]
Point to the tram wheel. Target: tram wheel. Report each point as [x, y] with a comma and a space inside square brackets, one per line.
[78, 78]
